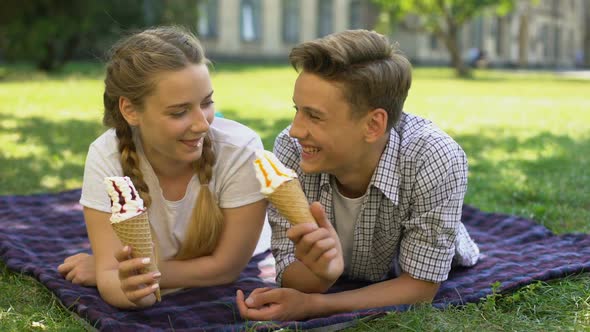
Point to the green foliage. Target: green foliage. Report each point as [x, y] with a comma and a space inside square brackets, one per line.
[443, 18]
[434, 12]
[52, 32]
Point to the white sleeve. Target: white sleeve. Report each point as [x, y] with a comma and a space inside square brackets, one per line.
[239, 183]
[99, 165]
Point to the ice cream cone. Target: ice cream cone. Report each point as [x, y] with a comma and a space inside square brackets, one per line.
[291, 202]
[136, 233]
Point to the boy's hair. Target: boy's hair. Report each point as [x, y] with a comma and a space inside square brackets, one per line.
[133, 64]
[373, 72]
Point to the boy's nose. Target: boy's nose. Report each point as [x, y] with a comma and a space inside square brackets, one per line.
[298, 129]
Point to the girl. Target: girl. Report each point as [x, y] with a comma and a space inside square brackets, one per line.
[194, 174]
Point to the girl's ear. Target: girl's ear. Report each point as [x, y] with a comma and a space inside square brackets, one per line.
[376, 125]
[128, 111]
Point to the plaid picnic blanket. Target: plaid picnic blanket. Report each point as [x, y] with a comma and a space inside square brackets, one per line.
[37, 232]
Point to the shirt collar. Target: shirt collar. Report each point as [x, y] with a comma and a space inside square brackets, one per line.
[386, 177]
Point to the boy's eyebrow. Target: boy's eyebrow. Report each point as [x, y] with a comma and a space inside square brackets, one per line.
[309, 108]
[187, 103]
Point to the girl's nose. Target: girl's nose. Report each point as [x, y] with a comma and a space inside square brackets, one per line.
[199, 121]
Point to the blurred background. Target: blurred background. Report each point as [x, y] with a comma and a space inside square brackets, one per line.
[507, 79]
[548, 34]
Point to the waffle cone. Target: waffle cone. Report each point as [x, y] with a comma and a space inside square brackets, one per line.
[136, 233]
[291, 202]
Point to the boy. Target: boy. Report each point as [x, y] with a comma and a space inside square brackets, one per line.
[391, 184]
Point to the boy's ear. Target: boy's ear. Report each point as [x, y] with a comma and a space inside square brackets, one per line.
[128, 111]
[376, 125]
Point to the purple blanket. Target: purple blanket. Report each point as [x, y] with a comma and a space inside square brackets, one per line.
[37, 232]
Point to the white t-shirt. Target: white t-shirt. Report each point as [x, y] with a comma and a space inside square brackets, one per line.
[346, 212]
[233, 182]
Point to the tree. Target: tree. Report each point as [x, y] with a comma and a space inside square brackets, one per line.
[52, 32]
[443, 18]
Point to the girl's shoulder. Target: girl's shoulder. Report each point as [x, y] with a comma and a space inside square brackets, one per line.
[229, 134]
[106, 144]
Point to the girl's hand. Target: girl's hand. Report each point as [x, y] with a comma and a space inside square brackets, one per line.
[79, 269]
[138, 288]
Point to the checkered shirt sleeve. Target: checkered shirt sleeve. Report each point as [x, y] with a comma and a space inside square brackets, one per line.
[427, 246]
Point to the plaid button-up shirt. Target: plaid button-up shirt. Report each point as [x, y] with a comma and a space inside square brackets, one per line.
[411, 214]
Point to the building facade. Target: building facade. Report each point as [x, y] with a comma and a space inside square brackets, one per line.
[550, 33]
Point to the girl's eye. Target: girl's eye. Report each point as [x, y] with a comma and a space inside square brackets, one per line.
[207, 103]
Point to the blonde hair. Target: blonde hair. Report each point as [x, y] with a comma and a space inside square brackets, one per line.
[133, 63]
[373, 72]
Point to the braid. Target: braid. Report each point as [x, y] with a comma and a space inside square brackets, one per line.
[130, 163]
[129, 157]
[207, 220]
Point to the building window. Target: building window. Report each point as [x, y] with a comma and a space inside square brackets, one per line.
[477, 32]
[207, 19]
[250, 18]
[500, 36]
[325, 18]
[557, 43]
[355, 15]
[291, 19]
[433, 42]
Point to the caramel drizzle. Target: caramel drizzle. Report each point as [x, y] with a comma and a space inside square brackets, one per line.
[264, 173]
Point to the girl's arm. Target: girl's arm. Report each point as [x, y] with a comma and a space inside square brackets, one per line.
[242, 228]
[117, 283]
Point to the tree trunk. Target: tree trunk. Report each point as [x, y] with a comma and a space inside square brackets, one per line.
[48, 62]
[450, 40]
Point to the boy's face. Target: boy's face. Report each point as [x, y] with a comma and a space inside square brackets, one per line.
[332, 141]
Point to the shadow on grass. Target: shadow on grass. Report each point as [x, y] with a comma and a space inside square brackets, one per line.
[544, 177]
[50, 155]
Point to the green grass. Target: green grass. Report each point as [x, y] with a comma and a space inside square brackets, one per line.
[527, 137]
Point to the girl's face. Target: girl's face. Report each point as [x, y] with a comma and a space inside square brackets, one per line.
[176, 117]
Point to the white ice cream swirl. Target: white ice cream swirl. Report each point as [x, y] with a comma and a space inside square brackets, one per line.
[125, 200]
[271, 172]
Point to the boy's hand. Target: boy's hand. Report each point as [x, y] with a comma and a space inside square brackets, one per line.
[318, 246]
[273, 304]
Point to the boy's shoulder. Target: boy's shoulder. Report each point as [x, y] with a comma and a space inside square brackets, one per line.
[419, 137]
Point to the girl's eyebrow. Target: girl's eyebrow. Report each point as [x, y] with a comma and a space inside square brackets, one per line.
[188, 104]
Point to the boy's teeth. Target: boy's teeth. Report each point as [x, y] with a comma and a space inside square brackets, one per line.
[311, 150]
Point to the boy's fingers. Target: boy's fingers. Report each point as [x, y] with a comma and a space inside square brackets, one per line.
[317, 211]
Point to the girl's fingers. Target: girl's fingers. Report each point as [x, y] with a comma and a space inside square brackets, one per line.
[123, 254]
[139, 281]
[131, 266]
[139, 293]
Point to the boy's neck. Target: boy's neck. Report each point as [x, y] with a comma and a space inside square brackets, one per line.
[355, 180]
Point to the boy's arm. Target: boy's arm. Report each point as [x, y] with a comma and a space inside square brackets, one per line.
[290, 304]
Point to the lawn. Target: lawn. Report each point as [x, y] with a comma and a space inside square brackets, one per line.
[527, 137]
